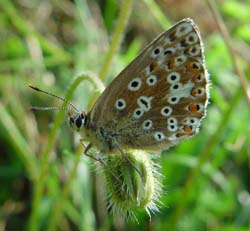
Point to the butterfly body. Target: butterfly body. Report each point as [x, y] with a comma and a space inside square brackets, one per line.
[158, 99]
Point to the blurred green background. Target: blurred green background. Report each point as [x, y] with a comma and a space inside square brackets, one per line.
[48, 184]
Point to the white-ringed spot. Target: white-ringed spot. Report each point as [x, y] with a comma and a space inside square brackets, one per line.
[195, 108]
[175, 87]
[173, 77]
[135, 84]
[194, 50]
[151, 80]
[159, 136]
[172, 121]
[120, 104]
[191, 121]
[166, 111]
[156, 52]
[179, 60]
[182, 44]
[173, 99]
[187, 128]
[198, 92]
[172, 127]
[183, 29]
[193, 67]
[196, 65]
[138, 112]
[198, 78]
[147, 124]
[192, 38]
[169, 51]
[144, 102]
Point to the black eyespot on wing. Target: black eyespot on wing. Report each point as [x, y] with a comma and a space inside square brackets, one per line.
[173, 99]
[195, 66]
[193, 50]
[168, 52]
[138, 112]
[171, 121]
[144, 102]
[120, 104]
[176, 86]
[190, 38]
[156, 51]
[134, 84]
[166, 110]
[173, 77]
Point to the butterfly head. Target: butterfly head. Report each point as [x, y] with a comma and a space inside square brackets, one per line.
[78, 120]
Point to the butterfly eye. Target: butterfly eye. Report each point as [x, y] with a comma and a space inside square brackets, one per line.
[78, 121]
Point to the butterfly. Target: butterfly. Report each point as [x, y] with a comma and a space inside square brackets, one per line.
[157, 100]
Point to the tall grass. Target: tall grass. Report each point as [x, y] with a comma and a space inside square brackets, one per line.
[46, 182]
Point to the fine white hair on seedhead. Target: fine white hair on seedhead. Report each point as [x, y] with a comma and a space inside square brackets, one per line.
[124, 182]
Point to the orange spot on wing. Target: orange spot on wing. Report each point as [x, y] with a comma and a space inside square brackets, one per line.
[196, 78]
[193, 92]
[187, 128]
[193, 68]
[193, 108]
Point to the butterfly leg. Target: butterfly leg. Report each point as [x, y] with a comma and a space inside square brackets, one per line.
[98, 159]
[127, 159]
[86, 151]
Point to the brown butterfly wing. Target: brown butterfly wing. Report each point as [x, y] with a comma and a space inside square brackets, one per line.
[161, 96]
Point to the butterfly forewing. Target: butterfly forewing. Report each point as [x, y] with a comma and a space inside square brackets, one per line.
[161, 96]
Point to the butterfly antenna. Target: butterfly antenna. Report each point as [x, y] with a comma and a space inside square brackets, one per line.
[56, 96]
[34, 108]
